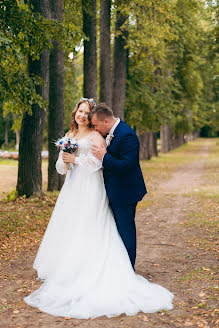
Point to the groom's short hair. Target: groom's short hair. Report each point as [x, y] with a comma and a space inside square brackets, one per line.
[101, 111]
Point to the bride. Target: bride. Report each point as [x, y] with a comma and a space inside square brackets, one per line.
[82, 261]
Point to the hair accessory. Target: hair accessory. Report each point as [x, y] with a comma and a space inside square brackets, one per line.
[89, 99]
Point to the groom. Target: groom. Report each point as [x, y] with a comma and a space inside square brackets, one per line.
[122, 173]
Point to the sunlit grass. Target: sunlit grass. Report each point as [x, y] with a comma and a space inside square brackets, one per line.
[201, 273]
[7, 161]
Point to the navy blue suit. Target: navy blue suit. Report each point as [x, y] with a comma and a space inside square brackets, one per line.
[124, 183]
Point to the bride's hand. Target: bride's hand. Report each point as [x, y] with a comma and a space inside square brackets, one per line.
[68, 158]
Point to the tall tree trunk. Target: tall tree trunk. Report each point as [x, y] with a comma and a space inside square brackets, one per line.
[165, 138]
[17, 140]
[119, 66]
[6, 133]
[178, 140]
[30, 146]
[144, 139]
[153, 144]
[90, 49]
[105, 53]
[56, 101]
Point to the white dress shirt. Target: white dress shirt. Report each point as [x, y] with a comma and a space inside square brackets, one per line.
[110, 135]
[114, 126]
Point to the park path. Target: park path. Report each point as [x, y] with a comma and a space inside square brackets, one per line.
[160, 235]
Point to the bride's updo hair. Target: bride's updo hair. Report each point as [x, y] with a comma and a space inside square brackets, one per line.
[91, 104]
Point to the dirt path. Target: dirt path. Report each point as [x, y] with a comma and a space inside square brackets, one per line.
[163, 256]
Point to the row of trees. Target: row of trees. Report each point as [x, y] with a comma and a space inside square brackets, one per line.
[153, 62]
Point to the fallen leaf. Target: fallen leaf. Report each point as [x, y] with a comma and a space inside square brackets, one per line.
[145, 318]
[205, 269]
[16, 311]
[202, 324]
[188, 324]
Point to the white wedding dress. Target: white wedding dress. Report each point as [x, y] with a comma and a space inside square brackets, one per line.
[82, 260]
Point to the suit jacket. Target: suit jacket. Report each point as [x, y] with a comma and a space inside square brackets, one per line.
[122, 173]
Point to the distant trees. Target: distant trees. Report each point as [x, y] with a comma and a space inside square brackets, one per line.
[172, 37]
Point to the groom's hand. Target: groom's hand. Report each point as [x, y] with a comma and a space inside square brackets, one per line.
[98, 151]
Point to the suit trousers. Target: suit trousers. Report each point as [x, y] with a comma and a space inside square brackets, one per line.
[125, 220]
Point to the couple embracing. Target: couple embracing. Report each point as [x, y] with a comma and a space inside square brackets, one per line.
[87, 255]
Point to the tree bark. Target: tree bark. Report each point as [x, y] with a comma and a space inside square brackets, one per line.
[17, 140]
[29, 167]
[153, 143]
[119, 66]
[6, 132]
[105, 53]
[165, 138]
[90, 49]
[144, 139]
[178, 140]
[56, 102]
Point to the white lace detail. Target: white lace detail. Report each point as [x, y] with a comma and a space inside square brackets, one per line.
[61, 166]
[85, 157]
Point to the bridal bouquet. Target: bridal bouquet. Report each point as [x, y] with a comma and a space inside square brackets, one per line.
[68, 145]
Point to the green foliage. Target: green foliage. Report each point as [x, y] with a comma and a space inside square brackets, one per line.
[11, 196]
[73, 85]
[172, 66]
[26, 33]
[172, 62]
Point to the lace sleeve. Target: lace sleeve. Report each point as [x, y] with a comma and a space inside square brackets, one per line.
[60, 165]
[89, 161]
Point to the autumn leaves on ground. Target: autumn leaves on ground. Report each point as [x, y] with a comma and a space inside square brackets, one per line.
[177, 242]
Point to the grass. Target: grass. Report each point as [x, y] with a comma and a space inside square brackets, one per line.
[14, 162]
[5, 161]
[200, 273]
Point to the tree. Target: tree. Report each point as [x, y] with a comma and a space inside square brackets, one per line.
[29, 168]
[144, 139]
[148, 87]
[105, 53]
[153, 144]
[90, 48]
[56, 100]
[120, 55]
